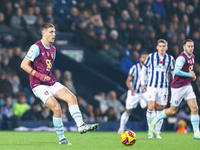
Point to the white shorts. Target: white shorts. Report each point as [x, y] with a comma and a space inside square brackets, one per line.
[160, 95]
[133, 100]
[43, 92]
[178, 94]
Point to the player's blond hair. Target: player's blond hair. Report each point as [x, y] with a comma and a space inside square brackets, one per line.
[46, 25]
[162, 41]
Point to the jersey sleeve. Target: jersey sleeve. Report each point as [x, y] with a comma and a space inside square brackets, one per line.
[147, 61]
[180, 61]
[33, 52]
[132, 71]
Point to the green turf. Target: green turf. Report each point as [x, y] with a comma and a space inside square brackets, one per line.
[94, 141]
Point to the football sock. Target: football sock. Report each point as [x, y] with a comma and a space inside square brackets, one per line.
[195, 123]
[150, 115]
[58, 125]
[123, 121]
[162, 115]
[159, 124]
[76, 114]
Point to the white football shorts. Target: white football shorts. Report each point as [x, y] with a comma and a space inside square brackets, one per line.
[43, 92]
[133, 100]
[178, 94]
[160, 95]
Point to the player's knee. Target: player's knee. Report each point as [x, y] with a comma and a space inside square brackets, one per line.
[57, 109]
[195, 109]
[72, 99]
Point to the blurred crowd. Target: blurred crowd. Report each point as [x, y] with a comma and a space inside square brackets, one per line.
[116, 30]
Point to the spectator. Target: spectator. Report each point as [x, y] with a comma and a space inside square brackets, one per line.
[101, 102]
[128, 61]
[110, 24]
[18, 25]
[159, 10]
[114, 40]
[15, 61]
[185, 26]
[123, 34]
[124, 16]
[37, 11]
[109, 54]
[33, 113]
[8, 11]
[9, 53]
[162, 31]
[5, 86]
[90, 41]
[115, 104]
[86, 109]
[57, 75]
[72, 19]
[15, 83]
[31, 100]
[5, 65]
[29, 17]
[6, 112]
[45, 115]
[68, 82]
[105, 9]
[135, 17]
[181, 10]
[20, 107]
[101, 39]
[131, 8]
[111, 114]
[150, 45]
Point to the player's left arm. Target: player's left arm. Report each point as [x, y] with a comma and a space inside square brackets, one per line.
[180, 61]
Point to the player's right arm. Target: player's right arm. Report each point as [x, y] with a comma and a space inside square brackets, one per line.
[180, 61]
[143, 73]
[130, 79]
[31, 55]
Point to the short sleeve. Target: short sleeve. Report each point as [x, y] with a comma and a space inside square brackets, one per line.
[33, 52]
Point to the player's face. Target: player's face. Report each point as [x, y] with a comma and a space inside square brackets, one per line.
[162, 48]
[143, 57]
[189, 48]
[50, 34]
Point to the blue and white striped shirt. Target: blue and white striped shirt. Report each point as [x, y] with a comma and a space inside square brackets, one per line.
[135, 72]
[158, 68]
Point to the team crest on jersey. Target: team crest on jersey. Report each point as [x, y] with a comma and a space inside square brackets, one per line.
[42, 53]
[47, 54]
[52, 55]
[193, 60]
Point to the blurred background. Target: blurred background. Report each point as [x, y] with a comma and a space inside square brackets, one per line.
[97, 42]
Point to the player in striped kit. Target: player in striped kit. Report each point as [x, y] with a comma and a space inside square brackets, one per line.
[134, 94]
[38, 63]
[158, 65]
[181, 88]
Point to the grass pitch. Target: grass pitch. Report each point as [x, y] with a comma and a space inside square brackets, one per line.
[11, 140]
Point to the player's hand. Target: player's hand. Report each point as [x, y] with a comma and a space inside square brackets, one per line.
[143, 87]
[133, 92]
[47, 78]
[193, 76]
